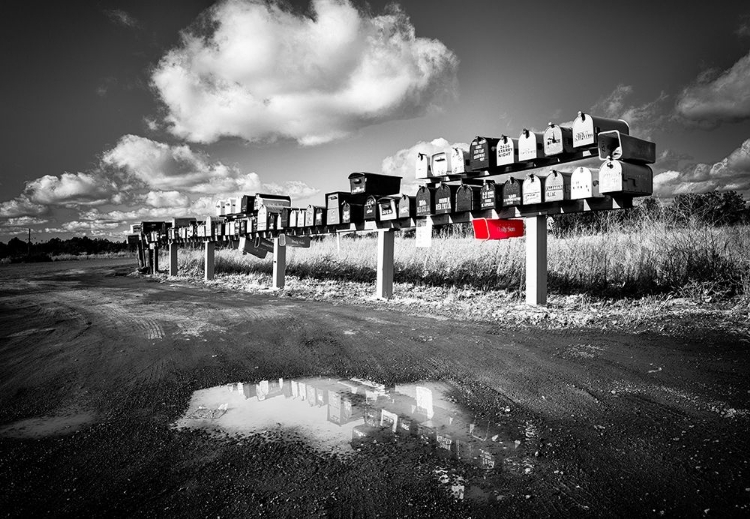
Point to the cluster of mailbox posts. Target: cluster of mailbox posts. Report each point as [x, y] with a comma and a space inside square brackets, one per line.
[455, 181]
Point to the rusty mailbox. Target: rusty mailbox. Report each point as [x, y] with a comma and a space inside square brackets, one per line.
[512, 190]
[374, 184]
[586, 129]
[491, 195]
[407, 206]
[425, 200]
[352, 213]
[530, 146]
[423, 169]
[445, 196]
[468, 198]
[557, 187]
[557, 140]
[483, 154]
[626, 178]
[506, 151]
[533, 190]
[371, 208]
[388, 207]
[614, 145]
[584, 183]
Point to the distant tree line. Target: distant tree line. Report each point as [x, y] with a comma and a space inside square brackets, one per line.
[17, 248]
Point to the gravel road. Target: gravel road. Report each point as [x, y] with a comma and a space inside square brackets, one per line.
[97, 365]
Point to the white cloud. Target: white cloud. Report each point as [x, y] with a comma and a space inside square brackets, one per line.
[120, 17]
[294, 188]
[644, 119]
[263, 72]
[71, 189]
[23, 221]
[715, 99]
[403, 163]
[19, 207]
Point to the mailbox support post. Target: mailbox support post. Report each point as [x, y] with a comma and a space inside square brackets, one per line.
[173, 259]
[155, 264]
[536, 260]
[384, 289]
[279, 264]
[208, 256]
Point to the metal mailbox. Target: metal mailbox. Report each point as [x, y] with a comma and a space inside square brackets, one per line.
[445, 196]
[586, 129]
[272, 201]
[584, 183]
[468, 198]
[425, 200]
[459, 161]
[483, 153]
[388, 207]
[220, 208]
[497, 229]
[243, 226]
[310, 216]
[247, 246]
[614, 145]
[626, 178]
[533, 190]
[266, 218]
[232, 205]
[182, 222]
[424, 169]
[374, 184]
[557, 140]
[247, 204]
[285, 214]
[530, 146]
[371, 208]
[335, 202]
[491, 195]
[557, 187]
[352, 213]
[263, 244]
[407, 206]
[441, 164]
[507, 151]
[293, 212]
[319, 216]
[288, 240]
[512, 190]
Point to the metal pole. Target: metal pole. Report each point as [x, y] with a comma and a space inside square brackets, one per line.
[208, 261]
[384, 282]
[279, 264]
[536, 260]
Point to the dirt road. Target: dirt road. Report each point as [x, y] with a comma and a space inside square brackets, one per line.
[96, 366]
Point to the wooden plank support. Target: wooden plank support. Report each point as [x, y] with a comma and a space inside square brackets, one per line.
[173, 259]
[155, 264]
[279, 263]
[208, 260]
[536, 260]
[384, 280]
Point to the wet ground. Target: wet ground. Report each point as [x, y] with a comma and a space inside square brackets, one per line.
[123, 396]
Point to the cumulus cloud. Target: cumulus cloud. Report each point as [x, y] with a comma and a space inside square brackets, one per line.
[403, 163]
[644, 119]
[21, 206]
[23, 221]
[71, 189]
[257, 71]
[717, 98]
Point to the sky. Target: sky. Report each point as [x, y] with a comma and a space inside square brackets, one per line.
[116, 112]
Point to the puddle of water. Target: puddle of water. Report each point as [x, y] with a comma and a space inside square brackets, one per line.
[340, 415]
[46, 426]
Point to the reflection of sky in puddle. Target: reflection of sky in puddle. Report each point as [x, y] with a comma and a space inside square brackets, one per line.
[338, 415]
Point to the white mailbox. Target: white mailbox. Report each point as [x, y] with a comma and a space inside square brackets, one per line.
[533, 187]
[586, 129]
[557, 140]
[220, 209]
[293, 217]
[557, 187]
[584, 183]
[530, 146]
[232, 205]
[626, 178]
[310, 216]
[441, 164]
[459, 161]
[507, 151]
[423, 166]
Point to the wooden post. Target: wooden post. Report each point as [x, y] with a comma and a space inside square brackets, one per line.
[173, 259]
[208, 261]
[156, 258]
[536, 260]
[279, 264]
[384, 288]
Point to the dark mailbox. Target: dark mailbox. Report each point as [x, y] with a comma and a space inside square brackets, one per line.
[512, 192]
[407, 206]
[272, 201]
[352, 213]
[468, 198]
[371, 208]
[425, 201]
[283, 218]
[483, 154]
[247, 204]
[586, 129]
[614, 145]
[320, 216]
[491, 195]
[557, 140]
[374, 184]
[445, 198]
[335, 203]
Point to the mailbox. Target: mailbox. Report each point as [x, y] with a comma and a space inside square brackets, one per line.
[557, 187]
[483, 154]
[232, 205]
[530, 146]
[243, 226]
[425, 200]
[512, 190]
[557, 140]
[335, 202]
[626, 178]
[247, 204]
[533, 190]
[272, 201]
[445, 196]
[584, 183]
[266, 218]
[263, 244]
[424, 170]
[614, 145]
[441, 164]
[320, 216]
[586, 129]
[491, 195]
[310, 216]
[459, 161]
[496, 229]
[374, 184]
[468, 198]
[293, 212]
[407, 206]
[247, 246]
[388, 208]
[172, 234]
[352, 213]
[220, 210]
[507, 151]
[230, 228]
[371, 208]
[285, 214]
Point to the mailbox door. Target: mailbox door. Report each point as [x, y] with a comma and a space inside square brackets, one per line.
[584, 183]
[371, 208]
[512, 190]
[407, 206]
[445, 198]
[310, 216]
[387, 209]
[333, 215]
[557, 140]
[441, 164]
[320, 216]
[625, 178]
[530, 146]
[507, 151]
[533, 189]
[425, 201]
[423, 166]
[467, 198]
[557, 187]
[284, 217]
[483, 154]
[586, 129]
[247, 204]
[491, 195]
[459, 161]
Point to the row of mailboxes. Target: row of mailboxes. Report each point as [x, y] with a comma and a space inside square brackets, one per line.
[248, 204]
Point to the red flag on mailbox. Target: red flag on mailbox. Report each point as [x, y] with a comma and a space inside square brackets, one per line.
[497, 229]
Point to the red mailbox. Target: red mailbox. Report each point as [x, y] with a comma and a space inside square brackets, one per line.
[497, 229]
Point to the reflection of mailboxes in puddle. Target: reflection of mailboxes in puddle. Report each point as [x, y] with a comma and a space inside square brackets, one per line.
[445, 196]
[352, 213]
[584, 183]
[407, 206]
[586, 129]
[530, 146]
[388, 207]
[425, 201]
[459, 161]
[441, 164]
[533, 190]
[512, 192]
[507, 151]
[468, 198]
[625, 178]
[371, 208]
[557, 187]
[483, 153]
[423, 170]
[374, 184]
[557, 140]
[491, 195]
[614, 145]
